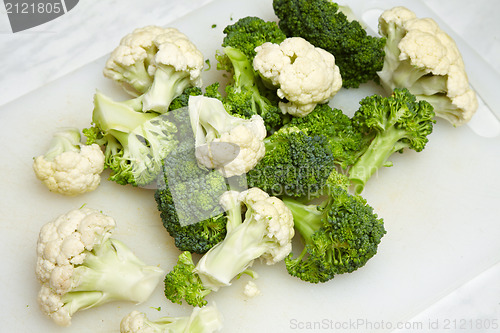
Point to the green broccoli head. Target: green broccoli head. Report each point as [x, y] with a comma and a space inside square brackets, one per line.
[295, 164]
[249, 32]
[182, 283]
[346, 141]
[393, 124]
[340, 235]
[358, 55]
[188, 198]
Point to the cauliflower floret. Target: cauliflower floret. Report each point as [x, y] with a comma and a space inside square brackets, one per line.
[177, 65]
[251, 290]
[424, 59]
[155, 65]
[229, 144]
[68, 167]
[131, 62]
[304, 75]
[79, 266]
[204, 320]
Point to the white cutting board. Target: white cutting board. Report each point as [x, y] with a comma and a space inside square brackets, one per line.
[440, 206]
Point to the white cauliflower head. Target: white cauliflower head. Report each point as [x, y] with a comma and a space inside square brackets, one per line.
[177, 65]
[259, 227]
[62, 245]
[131, 62]
[79, 266]
[69, 167]
[278, 219]
[229, 144]
[303, 74]
[423, 58]
[155, 64]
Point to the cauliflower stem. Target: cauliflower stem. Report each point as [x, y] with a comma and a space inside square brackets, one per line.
[110, 272]
[205, 320]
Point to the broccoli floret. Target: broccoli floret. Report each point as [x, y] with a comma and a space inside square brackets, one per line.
[340, 235]
[188, 197]
[135, 142]
[358, 55]
[346, 141]
[182, 283]
[243, 95]
[295, 164]
[249, 32]
[265, 231]
[188, 203]
[182, 100]
[393, 124]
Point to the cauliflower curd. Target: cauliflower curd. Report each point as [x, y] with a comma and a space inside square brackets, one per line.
[304, 75]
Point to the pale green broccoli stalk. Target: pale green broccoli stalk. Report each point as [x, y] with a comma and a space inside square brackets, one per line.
[204, 320]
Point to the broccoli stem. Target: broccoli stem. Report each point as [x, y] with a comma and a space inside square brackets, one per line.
[111, 272]
[168, 84]
[307, 219]
[244, 75]
[376, 155]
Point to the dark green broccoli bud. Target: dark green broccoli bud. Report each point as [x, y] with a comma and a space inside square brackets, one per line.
[182, 283]
[358, 55]
[213, 91]
[249, 32]
[193, 203]
[295, 164]
[340, 235]
[188, 198]
[346, 141]
[182, 100]
[393, 124]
